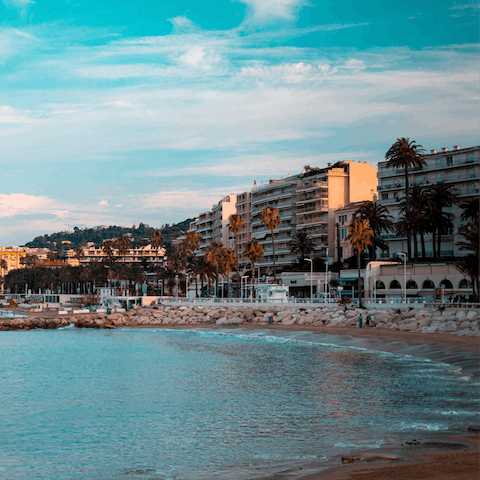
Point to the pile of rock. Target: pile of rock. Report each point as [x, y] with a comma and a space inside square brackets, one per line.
[452, 321]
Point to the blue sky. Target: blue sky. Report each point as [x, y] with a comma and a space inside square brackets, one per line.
[126, 112]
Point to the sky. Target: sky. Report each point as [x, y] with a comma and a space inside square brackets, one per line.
[122, 112]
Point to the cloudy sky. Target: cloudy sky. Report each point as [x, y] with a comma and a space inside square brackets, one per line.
[121, 112]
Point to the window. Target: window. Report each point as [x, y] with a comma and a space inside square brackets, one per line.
[384, 196]
[428, 285]
[449, 161]
[446, 284]
[470, 157]
[380, 285]
[395, 285]
[464, 284]
[412, 285]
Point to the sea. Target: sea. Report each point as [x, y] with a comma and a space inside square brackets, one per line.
[204, 403]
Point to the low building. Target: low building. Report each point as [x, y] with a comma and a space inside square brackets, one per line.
[427, 282]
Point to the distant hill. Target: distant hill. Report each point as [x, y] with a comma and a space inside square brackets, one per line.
[81, 236]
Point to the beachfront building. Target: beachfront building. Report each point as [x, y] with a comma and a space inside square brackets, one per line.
[320, 192]
[459, 167]
[213, 224]
[389, 281]
[245, 235]
[281, 194]
[91, 253]
[11, 259]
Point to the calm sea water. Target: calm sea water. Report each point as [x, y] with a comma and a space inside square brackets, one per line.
[209, 404]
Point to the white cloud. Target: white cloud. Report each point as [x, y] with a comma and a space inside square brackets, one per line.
[263, 9]
[18, 3]
[22, 204]
[12, 115]
[103, 203]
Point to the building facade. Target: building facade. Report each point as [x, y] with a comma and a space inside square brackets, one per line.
[457, 167]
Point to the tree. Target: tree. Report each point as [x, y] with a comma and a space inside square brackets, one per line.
[405, 154]
[156, 241]
[236, 226]
[123, 245]
[302, 244]
[229, 262]
[408, 226]
[254, 252]
[469, 265]
[470, 209]
[360, 236]
[271, 220]
[79, 254]
[108, 249]
[441, 196]
[379, 221]
[214, 255]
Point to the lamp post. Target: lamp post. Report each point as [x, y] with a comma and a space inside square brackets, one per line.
[311, 278]
[404, 276]
[241, 284]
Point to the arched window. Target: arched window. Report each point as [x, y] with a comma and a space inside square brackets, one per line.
[428, 285]
[395, 285]
[464, 284]
[412, 284]
[446, 283]
[380, 285]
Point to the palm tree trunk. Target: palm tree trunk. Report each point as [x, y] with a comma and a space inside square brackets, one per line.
[439, 243]
[415, 246]
[236, 263]
[216, 281]
[274, 267]
[407, 209]
[434, 245]
[359, 279]
[422, 241]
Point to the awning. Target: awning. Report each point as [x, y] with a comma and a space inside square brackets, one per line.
[259, 236]
[347, 279]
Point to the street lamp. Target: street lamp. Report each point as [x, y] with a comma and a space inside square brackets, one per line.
[404, 275]
[311, 278]
[241, 286]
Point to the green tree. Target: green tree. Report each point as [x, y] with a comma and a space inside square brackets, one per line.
[441, 196]
[379, 220]
[302, 244]
[405, 154]
[360, 236]
[123, 245]
[271, 220]
[469, 265]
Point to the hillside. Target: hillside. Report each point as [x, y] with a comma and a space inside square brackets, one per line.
[81, 236]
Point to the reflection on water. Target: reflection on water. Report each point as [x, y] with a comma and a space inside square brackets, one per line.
[233, 404]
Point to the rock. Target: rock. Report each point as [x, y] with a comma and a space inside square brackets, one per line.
[471, 315]
[461, 316]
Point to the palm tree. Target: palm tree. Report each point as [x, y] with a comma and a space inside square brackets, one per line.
[379, 221]
[79, 254]
[405, 154]
[470, 209]
[408, 226]
[271, 220]
[214, 255]
[229, 262]
[302, 244]
[360, 236]
[156, 241]
[469, 265]
[441, 196]
[254, 252]
[235, 226]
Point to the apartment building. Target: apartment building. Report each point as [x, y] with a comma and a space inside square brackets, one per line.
[92, 253]
[322, 191]
[244, 211]
[458, 167]
[281, 194]
[10, 259]
[213, 225]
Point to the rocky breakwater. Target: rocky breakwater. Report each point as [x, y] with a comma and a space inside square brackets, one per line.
[451, 321]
